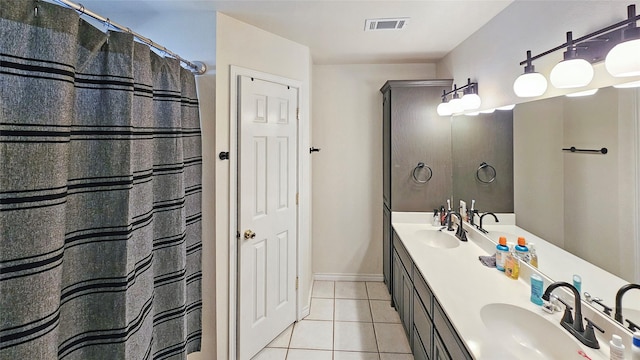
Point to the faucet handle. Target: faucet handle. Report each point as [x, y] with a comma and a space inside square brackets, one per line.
[632, 326]
[590, 335]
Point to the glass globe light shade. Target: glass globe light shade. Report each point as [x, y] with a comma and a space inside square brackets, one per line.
[488, 111]
[444, 109]
[530, 84]
[471, 101]
[474, 113]
[571, 73]
[624, 59]
[456, 105]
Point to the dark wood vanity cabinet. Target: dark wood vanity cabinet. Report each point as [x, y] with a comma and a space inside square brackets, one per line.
[431, 335]
[412, 133]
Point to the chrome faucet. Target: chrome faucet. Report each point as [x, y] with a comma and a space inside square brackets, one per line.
[619, 294]
[461, 233]
[482, 217]
[575, 325]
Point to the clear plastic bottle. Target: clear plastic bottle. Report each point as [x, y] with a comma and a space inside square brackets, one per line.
[616, 348]
[501, 253]
[533, 255]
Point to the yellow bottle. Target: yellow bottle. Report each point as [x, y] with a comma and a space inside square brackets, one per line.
[512, 265]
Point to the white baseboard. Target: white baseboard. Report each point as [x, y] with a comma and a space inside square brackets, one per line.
[348, 277]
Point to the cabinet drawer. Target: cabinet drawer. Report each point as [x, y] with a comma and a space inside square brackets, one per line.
[449, 337]
[420, 352]
[403, 254]
[422, 325]
[423, 290]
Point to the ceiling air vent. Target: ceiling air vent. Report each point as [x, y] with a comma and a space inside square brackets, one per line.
[386, 24]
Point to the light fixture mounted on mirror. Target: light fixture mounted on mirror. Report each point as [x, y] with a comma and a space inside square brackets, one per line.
[618, 45]
[470, 99]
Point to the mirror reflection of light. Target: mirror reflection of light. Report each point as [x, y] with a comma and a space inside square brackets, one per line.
[507, 107]
[583, 93]
[628, 85]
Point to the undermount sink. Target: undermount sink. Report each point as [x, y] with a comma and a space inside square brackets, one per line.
[437, 239]
[528, 335]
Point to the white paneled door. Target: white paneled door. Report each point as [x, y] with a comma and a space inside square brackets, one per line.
[267, 212]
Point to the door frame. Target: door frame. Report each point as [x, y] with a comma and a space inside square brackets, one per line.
[303, 216]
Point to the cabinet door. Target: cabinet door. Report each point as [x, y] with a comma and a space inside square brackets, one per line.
[448, 335]
[422, 326]
[419, 350]
[439, 351]
[407, 304]
[386, 147]
[386, 246]
[419, 134]
[397, 281]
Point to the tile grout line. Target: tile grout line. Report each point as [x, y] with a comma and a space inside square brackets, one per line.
[373, 323]
[333, 327]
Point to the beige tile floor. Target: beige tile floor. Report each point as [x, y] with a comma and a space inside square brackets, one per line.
[347, 321]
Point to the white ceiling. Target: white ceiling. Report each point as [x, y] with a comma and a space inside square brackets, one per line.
[333, 30]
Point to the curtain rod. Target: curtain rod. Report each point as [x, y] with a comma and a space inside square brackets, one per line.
[196, 67]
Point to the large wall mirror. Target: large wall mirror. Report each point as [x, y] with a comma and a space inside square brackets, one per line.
[583, 202]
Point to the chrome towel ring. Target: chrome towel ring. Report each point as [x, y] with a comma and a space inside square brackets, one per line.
[417, 169]
[487, 171]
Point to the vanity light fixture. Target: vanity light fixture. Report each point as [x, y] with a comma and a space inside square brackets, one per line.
[624, 58]
[473, 113]
[444, 109]
[471, 100]
[583, 93]
[618, 45]
[456, 105]
[488, 111]
[531, 83]
[572, 72]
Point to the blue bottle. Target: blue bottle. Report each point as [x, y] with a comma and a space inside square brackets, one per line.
[522, 251]
[501, 253]
[537, 286]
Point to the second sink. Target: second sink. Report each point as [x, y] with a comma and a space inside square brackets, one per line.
[528, 335]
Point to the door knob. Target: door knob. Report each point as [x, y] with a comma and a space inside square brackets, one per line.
[249, 235]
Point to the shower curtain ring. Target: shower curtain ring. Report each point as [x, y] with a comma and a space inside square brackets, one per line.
[35, 9]
[81, 9]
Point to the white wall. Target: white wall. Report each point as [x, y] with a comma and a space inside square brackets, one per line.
[347, 172]
[206, 94]
[244, 45]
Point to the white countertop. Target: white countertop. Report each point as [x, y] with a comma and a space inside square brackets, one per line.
[462, 286]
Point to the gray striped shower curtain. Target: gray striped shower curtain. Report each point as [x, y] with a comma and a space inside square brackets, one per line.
[100, 193]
